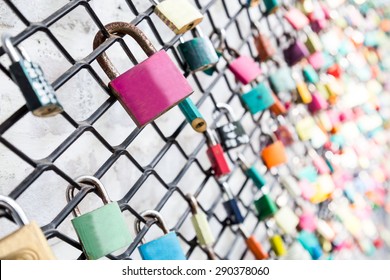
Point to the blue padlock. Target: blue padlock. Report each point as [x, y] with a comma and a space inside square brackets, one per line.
[166, 247]
[231, 206]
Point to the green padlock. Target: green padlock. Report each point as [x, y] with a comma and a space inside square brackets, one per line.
[265, 207]
[198, 53]
[310, 74]
[103, 230]
[313, 43]
[192, 114]
[258, 99]
[271, 6]
[202, 228]
[251, 172]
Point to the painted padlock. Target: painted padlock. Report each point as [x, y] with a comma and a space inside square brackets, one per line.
[281, 80]
[277, 245]
[231, 206]
[274, 153]
[150, 88]
[231, 134]
[271, 6]
[251, 172]
[317, 19]
[317, 60]
[258, 99]
[179, 16]
[263, 44]
[265, 207]
[244, 68]
[310, 74]
[308, 221]
[216, 155]
[286, 220]
[313, 42]
[192, 115]
[40, 96]
[319, 162]
[202, 228]
[199, 53]
[253, 245]
[26, 243]
[103, 230]
[310, 242]
[317, 103]
[283, 131]
[304, 94]
[295, 52]
[296, 18]
[166, 247]
[278, 108]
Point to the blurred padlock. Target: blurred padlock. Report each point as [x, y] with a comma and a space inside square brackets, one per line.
[273, 154]
[216, 155]
[265, 207]
[231, 206]
[253, 245]
[258, 99]
[286, 220]
[251, 172]
[263, 44]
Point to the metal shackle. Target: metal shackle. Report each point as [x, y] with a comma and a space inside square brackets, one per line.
[193, 204]
[15, 210]
[221, 33]
[154, 216]
[98, 189]
[227, 110]
[211, 140]
[120, 29]
[242, 162]
[12, 51]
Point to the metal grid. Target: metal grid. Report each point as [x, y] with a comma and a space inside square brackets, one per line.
[80, 127]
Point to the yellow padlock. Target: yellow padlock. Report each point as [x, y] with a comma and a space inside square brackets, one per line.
[304, 92]
[28, 242]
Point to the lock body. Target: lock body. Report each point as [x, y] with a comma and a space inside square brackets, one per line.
[304, 93]
[256, 248]
[148, 90]
[166, 247]
[310, 242]
[202, 229]
[296, 18]
[192, 115]
[258, 99]
[232, 135]
[27, 243]
[282, 81]
[179, 16]
[277, 245]
[278, 107]
[317, 60]
[274, 154]
[283, 134]
[245, 69]
[233, 211]
[271, 6]
[264, 47]
[102, 231]
[295, 53]
[199, 53]
[38, 92]
[313, 43]
[218, 160]
[308, 222]
[252, 3]
[256, 177]
[310, 74]
[305, 128]
[286, 219]
[318, 103]
[265, 207]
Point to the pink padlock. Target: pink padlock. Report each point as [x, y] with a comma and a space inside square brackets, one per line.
[317, 60]
[296, 18]
[319, 162]
[308, 221]
[244, 68]
[307, 189]
[317, 103]
[150, 88]
[317, 19]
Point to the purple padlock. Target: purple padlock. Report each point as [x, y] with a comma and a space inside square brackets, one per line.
[317, 103]
[150, 88]
[244, 68]
[295, 53]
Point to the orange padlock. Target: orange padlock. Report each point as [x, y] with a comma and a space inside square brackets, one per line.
[253, 245]
[274, 154]
[278, 107]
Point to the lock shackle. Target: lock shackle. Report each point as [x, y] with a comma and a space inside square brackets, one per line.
[197, 32]
[227, 110]
[193, 203]
[15, 210]
[98, 189]
[268, 136]
[210, 138]
[154, 2]
[221, 33]
[13, 52]
[119, 29]
[255, 26]
[243, 231]
[227, 190]
[151, 215]
[242, 162]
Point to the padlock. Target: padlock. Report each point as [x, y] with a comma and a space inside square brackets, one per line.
[244, 68]
[317, 19]
[335, 70]
[179, 16]
[103, 230]
[318, 103]
[274, 153]
[166, 247]
[251, 172]
[317, 60]
[192, 115]
[307, 221]
[26, 243]
[305, 128]
[231, 206]
[232, 134]
[302, 89]
[307, 6]
[258, 99]
[253, 245]
[277, 245]
[291, 185]
[40, 96]
[199, 53]
[202, 228]
[252, 3]
[150, 88]
[295, 52]
[282, 131]
[319, 162]
[325, 230]
[278, 108]
[324, 188]
[271, 6]
[296, 18]
[281, 80]
[313, 42]
[265, 207]
[216, 155]
[310, 74]
[310, 242]
[297, 252]
[286, 220]
[263, 44]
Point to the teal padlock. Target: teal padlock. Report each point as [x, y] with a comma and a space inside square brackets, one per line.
[192, 115]
[310, 74]
[271, 6]
[166, 247]
[265, 207]
[258, 99]
[310, 242]
[251, 172]
[282, 81]
[103, 230]
[199, 53]
[252, 3]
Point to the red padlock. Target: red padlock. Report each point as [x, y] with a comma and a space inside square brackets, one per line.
[335, 70]
[216, 156]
